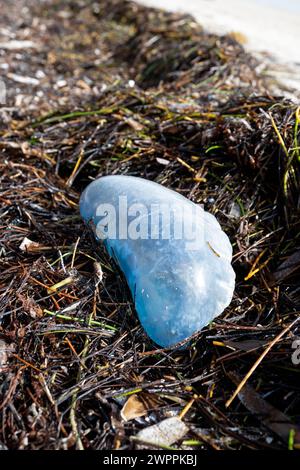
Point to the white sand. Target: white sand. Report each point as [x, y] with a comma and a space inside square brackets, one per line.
[271, 26]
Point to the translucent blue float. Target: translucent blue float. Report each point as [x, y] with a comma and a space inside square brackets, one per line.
[174, 255]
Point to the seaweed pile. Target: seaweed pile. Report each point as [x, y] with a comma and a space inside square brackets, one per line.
[114, 87]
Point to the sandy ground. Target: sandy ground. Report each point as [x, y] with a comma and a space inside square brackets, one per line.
[270, 26]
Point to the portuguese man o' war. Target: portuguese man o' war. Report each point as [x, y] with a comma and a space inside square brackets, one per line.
[174, 255]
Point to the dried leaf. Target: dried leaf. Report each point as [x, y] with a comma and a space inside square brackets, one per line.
[239, 37]
[272, 418]
[133, 408]
[246, 345]
[138, 405]
[288, 267]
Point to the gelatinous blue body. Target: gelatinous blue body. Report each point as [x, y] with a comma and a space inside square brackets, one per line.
[174, 255]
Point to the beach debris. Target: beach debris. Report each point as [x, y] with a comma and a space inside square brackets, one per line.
[23, 80]
[28, 245]
[15, 45]
[163, 434]
[175, 256]
[235, 211]
[5, 352]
